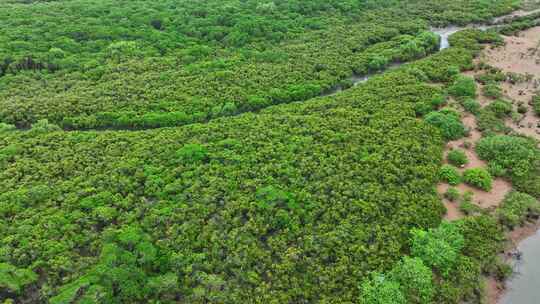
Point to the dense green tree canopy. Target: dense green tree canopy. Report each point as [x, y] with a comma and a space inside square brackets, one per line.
[187, 152]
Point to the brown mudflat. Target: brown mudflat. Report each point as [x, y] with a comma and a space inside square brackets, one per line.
[520, 54]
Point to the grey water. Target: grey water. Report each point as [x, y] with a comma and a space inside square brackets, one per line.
[524, 286]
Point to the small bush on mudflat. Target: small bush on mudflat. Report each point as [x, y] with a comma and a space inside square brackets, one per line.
[452, 194]
[516, 208]
[457, 158]
[478, 177]
[463, 86]
[472, 106]
[448, 122]
[450, 175]
[501, 108]
[536, 104]
[517, 155]
[492, 90]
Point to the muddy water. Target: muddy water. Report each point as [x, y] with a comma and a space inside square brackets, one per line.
[524, 287]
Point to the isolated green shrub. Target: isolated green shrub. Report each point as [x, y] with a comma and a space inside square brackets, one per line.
[536, 104]
[471, 105]
[516, 208]
[449, 174]
[490, 124]
[448, 122]
[501, 108]
[492, 90]
[491, 76]
[517, 155]
[468, 208]
[478, 177]
[452, 194]
[463, 86]
[457, 157]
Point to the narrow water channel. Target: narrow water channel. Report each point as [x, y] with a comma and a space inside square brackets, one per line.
[524, 286]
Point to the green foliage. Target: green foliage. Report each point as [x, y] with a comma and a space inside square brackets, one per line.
[462, 87]
[490, 124]
[517, 208]
[452, 194]
[501, 108]
[472, 106]
[272, 180]
[449, 174]
[6, 127]
[517, 24]
[184, 57]
[439, 247]
[457, 157]
[43, 126]
[380, 290]
[478, 177]
[491, 76]
[484, 239]
[536, 104]
[221, 207]
[124, 272]
[514, 157]
[14, 280]
[517, 156]
[448, 122]
[192, 153]
[492, 90]
[415, 280]
[473, 39]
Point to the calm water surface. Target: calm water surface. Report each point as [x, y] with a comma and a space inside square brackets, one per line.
[524, 286]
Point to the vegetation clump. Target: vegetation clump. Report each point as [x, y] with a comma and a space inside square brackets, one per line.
[452, 194]
[450, 175]
[449, 122]
[514, 157]
[463, 87]
[492, 90]
[457, 157]
[472, 106]
[517, 208]
[478, 177]
[536, 104]
[438, 248]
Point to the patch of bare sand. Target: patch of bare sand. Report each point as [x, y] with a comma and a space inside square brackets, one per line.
[520, 54]
[482, 198]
